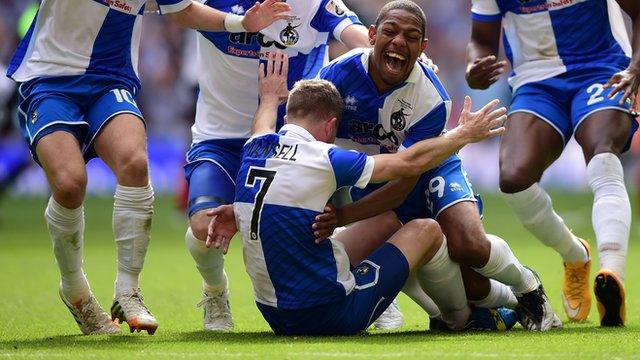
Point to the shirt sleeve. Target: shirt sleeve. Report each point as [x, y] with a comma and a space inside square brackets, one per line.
[172, 6]
[333, 16]
[485, 10]
[430, 126]
[351, 168]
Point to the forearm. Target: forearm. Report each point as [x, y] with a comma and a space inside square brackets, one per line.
[266, 115]
[427, 154]
[355, 36]
[485, 40]
[200, 17]
[635, 43]
[388, 197]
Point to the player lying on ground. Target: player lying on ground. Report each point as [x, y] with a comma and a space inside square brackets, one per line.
[227, 101]
[392, 101]
[286, 178]
[77, 69]
[572, 75]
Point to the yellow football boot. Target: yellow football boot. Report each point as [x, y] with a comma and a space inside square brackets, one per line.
[609, 291]
[576, 297]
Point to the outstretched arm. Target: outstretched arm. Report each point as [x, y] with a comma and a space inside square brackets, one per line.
[202, 17]
[628, 80]
[272, 88]
[221, 228]
[426, 154]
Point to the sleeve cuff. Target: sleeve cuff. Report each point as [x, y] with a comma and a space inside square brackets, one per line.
[367, 172]
[337, 31]
[172, 8]
[486, 18]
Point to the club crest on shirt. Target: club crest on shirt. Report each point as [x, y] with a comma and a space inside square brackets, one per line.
[289, 36]
[336, 7]
[399, 118]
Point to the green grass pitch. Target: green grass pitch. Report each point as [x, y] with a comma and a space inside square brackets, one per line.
[35, 324]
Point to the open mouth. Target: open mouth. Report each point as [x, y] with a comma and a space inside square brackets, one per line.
[394, 61]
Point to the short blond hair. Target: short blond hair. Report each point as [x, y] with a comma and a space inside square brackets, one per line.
[314, 100]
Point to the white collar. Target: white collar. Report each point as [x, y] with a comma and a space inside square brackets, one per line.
[299, 131]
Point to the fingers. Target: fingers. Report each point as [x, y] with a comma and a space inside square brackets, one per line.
[496, 132]
[613, 80]
[261, 74]
[488, 107]
[285, 65]
[497, 113]
[270, 63]
[209, 240]
[627, 95]
[466, 108]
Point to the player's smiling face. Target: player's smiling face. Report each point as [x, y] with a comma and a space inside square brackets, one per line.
[397, 42]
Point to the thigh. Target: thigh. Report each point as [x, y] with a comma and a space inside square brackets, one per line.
[43, 109]
[363, 237]
[528, 146]
[466, 238]
[211, 173]
[601, 124]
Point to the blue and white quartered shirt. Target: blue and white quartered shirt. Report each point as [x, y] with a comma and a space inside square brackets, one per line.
[545, 38]
[285, 180]
[76, 37]
[374, 123]
[228, 62]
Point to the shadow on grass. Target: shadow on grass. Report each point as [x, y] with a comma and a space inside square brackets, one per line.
[82, 342]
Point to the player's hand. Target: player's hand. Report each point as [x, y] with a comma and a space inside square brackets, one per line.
[272, 82]
[325, 223]
[221, 228]
[625, 82]
[482, 124]
[484, 72]
[427, 61]
[261, 15]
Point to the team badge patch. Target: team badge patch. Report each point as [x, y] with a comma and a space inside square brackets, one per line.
[399, 118]
[362, 270]
[336, 7]
[289, 36]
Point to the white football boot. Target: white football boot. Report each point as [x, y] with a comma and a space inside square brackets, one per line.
[129, 306]
[217, 312]
[90, 316]
[390, 319]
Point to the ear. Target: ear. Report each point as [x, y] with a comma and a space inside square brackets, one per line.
[372, 34]
[331, 125]
[286, 120]
[424, 44]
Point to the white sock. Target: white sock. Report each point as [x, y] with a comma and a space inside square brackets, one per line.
[413, 290]
[132, 213]
[534, 209]
[209, 262]
[66, 228]
[611, 214]
[499, 295]
[505, 267]
[441, 279]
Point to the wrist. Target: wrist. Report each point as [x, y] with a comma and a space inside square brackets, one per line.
[270, 99]
[233, 23]
[457, 136]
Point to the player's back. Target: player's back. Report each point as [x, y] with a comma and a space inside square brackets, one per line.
[75, 37]
[374, 122]
[284, 182]
[543, 38]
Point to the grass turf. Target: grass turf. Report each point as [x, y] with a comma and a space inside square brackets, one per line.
[35, 324]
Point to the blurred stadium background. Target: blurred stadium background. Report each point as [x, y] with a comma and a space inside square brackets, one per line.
[168, 73]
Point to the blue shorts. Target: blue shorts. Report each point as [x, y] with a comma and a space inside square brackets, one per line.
[435, 191]
[379, 279]
[211, 170]
[80, 105]
[564, 101]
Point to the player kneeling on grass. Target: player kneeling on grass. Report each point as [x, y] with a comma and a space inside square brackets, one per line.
[304, 286]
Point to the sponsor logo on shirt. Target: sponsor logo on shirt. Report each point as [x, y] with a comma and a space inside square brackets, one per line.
[454, 186]
[366, 133]
[123, 6]
[549, 5]
[350, 103]
[237, 9]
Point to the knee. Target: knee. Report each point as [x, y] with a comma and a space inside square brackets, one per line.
[468, 245]
[515, 178]
[427, 234]
[68, 186]
[133, 169]
[199, 223]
